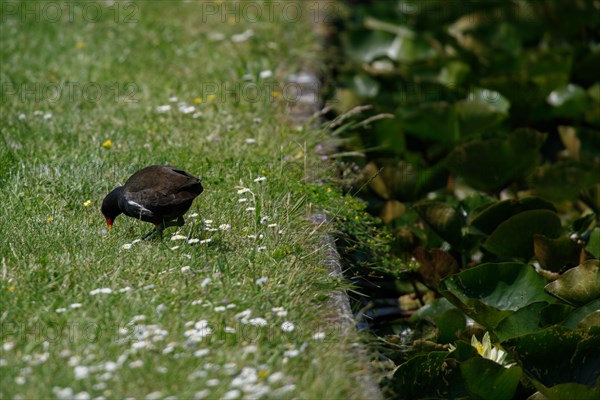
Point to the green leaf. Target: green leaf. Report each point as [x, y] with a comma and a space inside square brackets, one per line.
[367, 45]
[475, 118]
[568, 101]
[429, 376]
[579, 285]
[556, 254]
[593, 245]
[531, 318]
[405, 49]
[514, 237]
[564, 180]
[558, 355]
[431, 121]
[445, 220]
[587, 314]
[489, 293]
[488, 218]
[486, 379]
[491, 165]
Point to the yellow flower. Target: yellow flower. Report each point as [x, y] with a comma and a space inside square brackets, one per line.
[79, 45]
[87, 203]
[107, 144]
[198, 100]
[276, 94]
[50, 219]
[263, 374]
[211, 97]
[12, 288]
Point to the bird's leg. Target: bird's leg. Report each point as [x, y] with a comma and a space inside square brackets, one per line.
[158, 228]
[178, 222]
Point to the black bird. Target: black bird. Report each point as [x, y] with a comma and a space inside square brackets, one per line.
[158, 194]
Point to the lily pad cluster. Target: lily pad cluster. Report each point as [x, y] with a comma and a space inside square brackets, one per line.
[485, 171]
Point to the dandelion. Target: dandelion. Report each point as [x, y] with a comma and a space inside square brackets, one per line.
[198, 100]
[213, 382]
[276, 94]
[205, 282]
[232, 394]
[211, 97]
[260, 179]
[291, 353]
[201, 352]
[81, 372]
[100, 291]
[107, 144]
[280, 311]
[79, 45]
[242, 37]
[50, 219]
[87, 203]
[258, 322]
[202, 394]
[262, 280]
[265, 74]
[287, 326]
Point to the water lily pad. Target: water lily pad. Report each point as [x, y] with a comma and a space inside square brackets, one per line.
[431, 121]
[531, 318]
[490, 292]
[564, 180]
[556, 254]
[593, 245]
[486, 379]
[436, 264]
[490, 165]
[587, 313]
[570, 100]
[579, 285]
[574, 361]
[429, 376]
[367, 45]
[488, 218]
[444, 219]
[514, 237]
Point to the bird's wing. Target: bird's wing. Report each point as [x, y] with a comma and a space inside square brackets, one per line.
[159, 186]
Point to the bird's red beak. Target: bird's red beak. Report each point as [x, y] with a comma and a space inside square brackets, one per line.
[109, 223]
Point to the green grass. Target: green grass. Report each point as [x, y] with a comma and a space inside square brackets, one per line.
[55, 251]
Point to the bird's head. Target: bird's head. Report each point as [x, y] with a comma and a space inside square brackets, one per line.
[110, 206]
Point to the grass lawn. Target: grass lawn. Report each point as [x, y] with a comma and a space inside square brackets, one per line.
[236, 305]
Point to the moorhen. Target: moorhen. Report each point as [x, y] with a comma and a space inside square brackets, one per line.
[159, 194]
